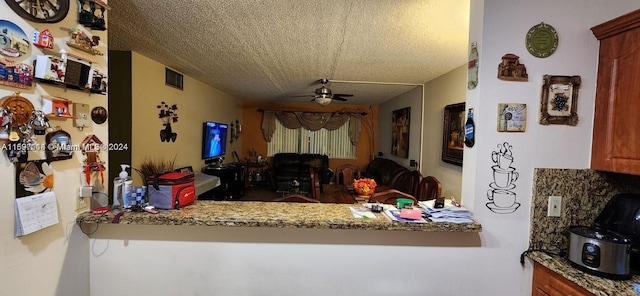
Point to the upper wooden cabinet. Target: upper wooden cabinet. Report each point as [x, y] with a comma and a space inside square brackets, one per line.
[616, 126]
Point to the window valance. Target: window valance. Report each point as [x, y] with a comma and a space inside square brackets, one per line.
[312, 121]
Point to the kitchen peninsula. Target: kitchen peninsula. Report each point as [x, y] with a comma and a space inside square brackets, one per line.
[268, 214]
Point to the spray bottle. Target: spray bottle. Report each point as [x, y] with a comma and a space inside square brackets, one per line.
[122, 189]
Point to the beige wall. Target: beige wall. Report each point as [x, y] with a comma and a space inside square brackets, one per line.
[425, 144]
[54, 260]
[197, 103]
[412, 99]
[447, 89]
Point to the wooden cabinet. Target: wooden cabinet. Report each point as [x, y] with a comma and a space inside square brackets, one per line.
[616, 127]
[549, 283]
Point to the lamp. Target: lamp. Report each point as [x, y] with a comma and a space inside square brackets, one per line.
[323, 100]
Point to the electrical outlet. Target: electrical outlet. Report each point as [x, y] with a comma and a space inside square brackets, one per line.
[554, 206]
[81, 203]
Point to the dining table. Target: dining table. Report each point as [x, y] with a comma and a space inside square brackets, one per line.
[337, 193]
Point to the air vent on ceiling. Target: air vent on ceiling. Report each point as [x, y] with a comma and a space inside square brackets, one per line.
[173, 78]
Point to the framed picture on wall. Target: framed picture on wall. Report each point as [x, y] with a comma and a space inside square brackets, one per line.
[453, 133]
[400, 132]
[559, 102]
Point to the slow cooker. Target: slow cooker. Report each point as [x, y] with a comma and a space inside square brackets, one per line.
[599, 251]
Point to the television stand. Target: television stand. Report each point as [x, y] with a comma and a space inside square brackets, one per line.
[232, 180]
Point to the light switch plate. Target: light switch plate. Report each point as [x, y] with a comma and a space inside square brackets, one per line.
[81, 115]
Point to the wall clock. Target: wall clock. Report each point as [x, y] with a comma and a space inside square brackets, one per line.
[51, 11]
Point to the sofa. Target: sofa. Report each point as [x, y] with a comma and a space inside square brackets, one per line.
[286, 167]
[388, 174]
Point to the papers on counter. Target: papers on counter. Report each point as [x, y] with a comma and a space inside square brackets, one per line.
[449, 213]
[362, 212]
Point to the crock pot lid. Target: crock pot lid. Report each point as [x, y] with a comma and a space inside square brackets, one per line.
[601, 234]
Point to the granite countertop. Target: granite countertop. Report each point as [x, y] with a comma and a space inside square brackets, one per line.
[271, 214]
[594, 284]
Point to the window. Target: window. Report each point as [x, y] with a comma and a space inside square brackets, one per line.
[335, 144]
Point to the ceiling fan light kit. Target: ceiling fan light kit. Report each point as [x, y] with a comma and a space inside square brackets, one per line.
[323, 95]
[322, 101]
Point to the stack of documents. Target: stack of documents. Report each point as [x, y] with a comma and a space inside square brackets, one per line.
[393, 214]
[449, 213]
[362, 212]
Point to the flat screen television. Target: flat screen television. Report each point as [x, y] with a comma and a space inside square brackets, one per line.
[214, 139]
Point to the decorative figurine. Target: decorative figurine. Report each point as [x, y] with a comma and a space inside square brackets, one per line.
[88, 17]
[510, 69]
[91, 147]
[83, 41]
[16, 74]
[43, 39]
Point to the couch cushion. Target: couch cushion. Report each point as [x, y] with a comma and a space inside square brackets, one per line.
[285, 159]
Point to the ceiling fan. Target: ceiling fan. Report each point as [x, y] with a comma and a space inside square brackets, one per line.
[323, 94]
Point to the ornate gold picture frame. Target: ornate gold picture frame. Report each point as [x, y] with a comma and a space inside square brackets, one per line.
[559, 103]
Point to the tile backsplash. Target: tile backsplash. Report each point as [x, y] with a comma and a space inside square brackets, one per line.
[584, 194]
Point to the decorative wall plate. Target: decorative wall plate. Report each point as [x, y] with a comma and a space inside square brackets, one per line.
[99, 115]
[21, 108]
[542, 40]
[14, 43]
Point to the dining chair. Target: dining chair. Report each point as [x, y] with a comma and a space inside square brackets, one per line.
[346, 173]
[430, 188]
[414, 182]
[296, 198]
[314, 187]
[390, 197]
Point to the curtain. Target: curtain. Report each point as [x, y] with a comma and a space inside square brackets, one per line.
[312, 121]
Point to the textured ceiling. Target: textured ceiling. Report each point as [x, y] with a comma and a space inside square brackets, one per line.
[273, 50]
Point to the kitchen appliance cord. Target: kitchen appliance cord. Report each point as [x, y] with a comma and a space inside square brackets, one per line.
[524, 254]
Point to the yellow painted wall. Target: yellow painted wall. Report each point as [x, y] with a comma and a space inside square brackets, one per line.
[253, 139]
[449, 88]
[54, 260]
[197, 103]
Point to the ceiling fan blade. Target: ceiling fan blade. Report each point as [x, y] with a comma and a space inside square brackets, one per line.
[337, 98]
[304, 96]
[343, 95]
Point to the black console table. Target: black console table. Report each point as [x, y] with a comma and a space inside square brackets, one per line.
[232, 181]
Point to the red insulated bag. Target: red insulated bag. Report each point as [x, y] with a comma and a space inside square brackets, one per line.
[171, 190]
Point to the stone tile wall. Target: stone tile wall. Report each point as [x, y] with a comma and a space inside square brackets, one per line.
[584, 194]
